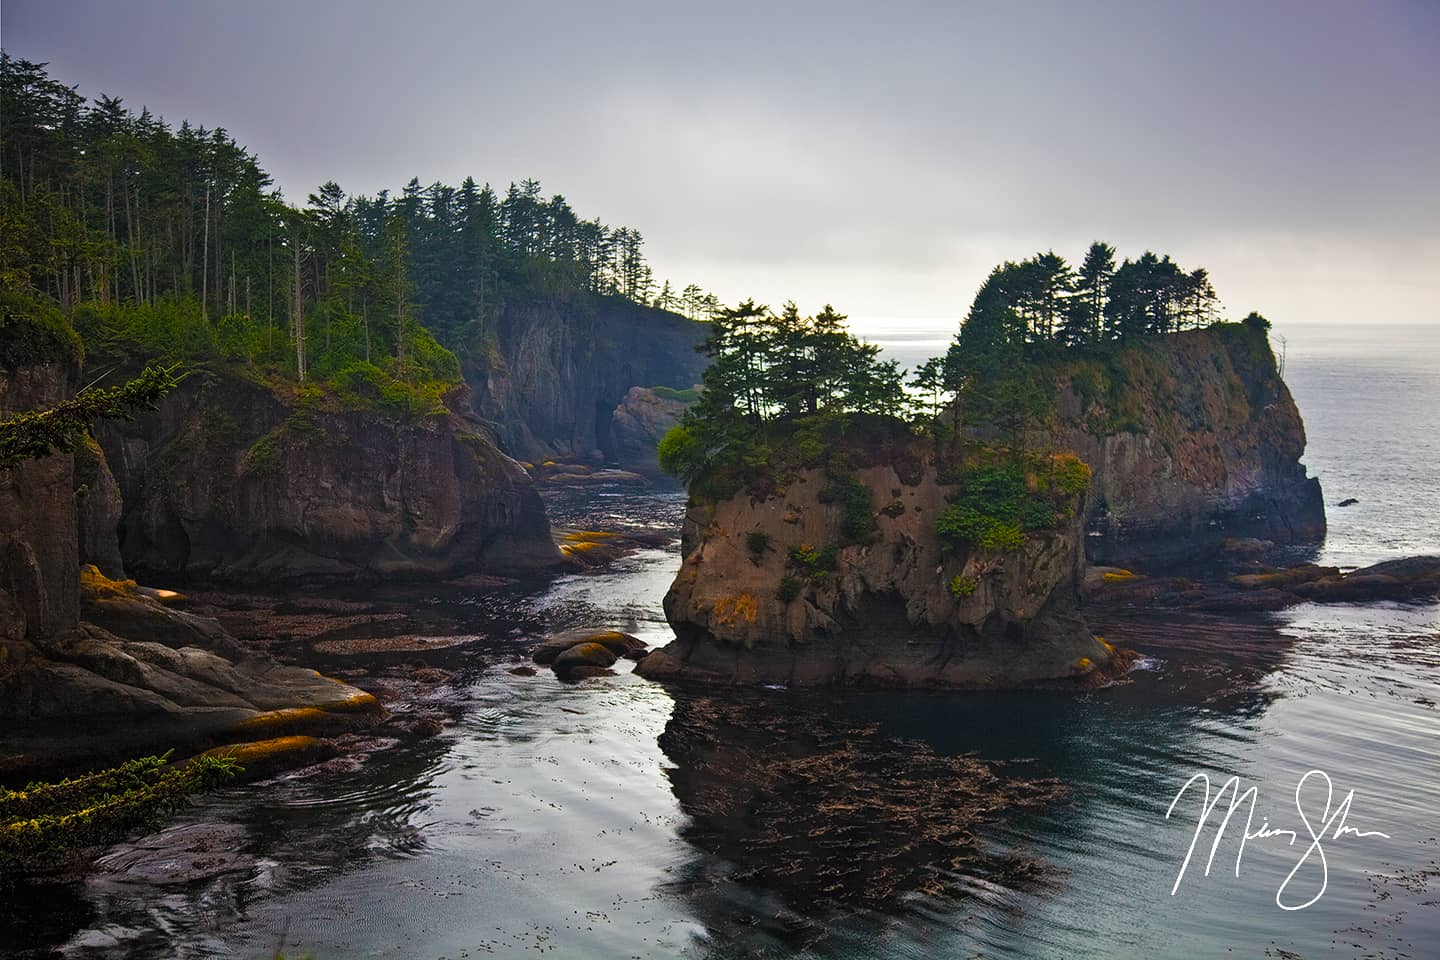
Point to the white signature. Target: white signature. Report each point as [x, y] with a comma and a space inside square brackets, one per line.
[1331, 826]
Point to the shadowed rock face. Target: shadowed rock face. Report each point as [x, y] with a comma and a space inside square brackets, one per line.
[229, 478]
[556, 371]
[637, 426]
[1206, 447]
[39, 545]
[91, 667]
[887, 614]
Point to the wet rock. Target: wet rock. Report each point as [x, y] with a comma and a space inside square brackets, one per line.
[1410, 578]
[523, 671]
[587, 654]
[427, 727]
[407, 643]
[1347, 502]
[613, 640]
[259, 759]
[583, 672]
[1247, 546]
[1284, 579]
[660, 665]
[1407, 579]
[178, 856]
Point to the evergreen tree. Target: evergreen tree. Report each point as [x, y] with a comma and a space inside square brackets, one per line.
[1085, 309]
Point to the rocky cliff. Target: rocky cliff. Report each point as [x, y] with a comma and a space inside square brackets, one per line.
[81, 653]
[39, 545]
[768, 592]
[1193, 438]
[1189, 439]
[639, 422]
[549, 374]
[233, 477]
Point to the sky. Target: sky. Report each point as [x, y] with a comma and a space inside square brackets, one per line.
[882, 157]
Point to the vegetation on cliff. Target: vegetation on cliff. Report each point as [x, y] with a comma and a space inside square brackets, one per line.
[66, 426]
[786, 391]
[170, 243]
[782, 391]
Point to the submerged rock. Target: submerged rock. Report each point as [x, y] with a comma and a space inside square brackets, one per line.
[584, 672]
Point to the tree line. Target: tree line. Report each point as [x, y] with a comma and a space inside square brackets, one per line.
[176, 237]
[1043, 300]
[773, 371]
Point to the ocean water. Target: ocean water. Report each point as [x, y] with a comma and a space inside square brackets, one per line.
[612, 819]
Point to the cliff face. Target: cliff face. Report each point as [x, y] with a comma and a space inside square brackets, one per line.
[1192, 439]
[554, 372]
[640, 421]
[886, 613]
[39, 546]
[230, 477]
[82, 652]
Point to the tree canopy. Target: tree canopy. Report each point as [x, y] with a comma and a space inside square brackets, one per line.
[172, 242]
[769, 372]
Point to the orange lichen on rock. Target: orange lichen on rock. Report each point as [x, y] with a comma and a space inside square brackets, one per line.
[730, 610]
[589, 536]
[96, 586]
[255, 750]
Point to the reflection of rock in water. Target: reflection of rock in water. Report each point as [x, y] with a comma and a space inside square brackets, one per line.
[824, 812]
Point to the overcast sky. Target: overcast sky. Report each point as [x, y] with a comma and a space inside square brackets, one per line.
[879, 156]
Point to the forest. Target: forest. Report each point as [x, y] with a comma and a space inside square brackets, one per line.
[172, 243]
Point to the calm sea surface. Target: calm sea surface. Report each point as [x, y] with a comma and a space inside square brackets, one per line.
[550, 819]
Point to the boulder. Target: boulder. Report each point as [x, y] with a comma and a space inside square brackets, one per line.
[585, 655]
[615, 641]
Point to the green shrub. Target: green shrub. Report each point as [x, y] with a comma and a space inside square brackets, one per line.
[788, 588]
[264, 459]
[33, 333]
[757, 542]
[857, 515]
[1069, 474]
[681, 455]
[962, 587]
[999, 502]
[687, 395]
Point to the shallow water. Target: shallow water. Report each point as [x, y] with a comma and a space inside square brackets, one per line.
[554, 819]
